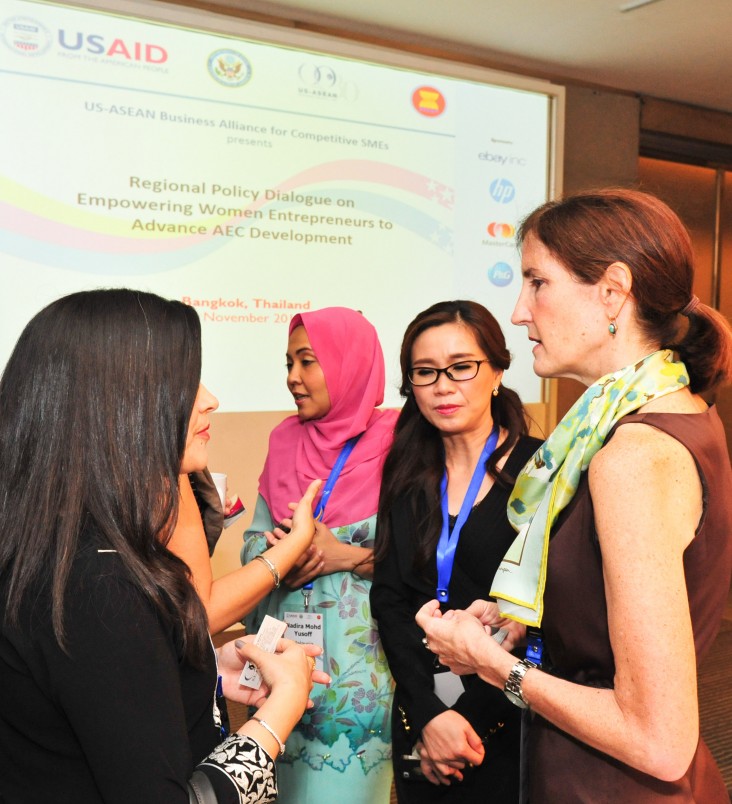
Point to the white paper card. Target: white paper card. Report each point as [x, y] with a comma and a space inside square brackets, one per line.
[270, 632]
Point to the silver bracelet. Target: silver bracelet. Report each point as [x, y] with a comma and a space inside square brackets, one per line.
[271, 567]
[265, 725]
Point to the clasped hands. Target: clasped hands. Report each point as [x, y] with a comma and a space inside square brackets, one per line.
[462, 638]
[447, 744]
[313, 561]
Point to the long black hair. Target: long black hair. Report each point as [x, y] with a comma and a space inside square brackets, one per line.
[95, 403]
[416, 461]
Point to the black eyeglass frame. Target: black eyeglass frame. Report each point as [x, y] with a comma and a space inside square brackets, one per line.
[446, 372]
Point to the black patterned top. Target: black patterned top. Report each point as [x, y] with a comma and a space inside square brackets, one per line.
[122, 717]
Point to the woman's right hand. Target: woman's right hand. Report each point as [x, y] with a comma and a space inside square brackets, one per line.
[303, 524]
[287, 674]
[448, 744]
[287, 678]
[300, 531]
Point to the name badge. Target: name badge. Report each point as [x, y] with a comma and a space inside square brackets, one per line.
[307, 628]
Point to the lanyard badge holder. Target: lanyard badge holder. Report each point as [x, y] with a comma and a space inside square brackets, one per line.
[308, 627]
[447, 685]
[307, 589]
[448, 542]
[534, 645]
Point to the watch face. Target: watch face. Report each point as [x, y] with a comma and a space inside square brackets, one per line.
[512, 688]
[517, 700]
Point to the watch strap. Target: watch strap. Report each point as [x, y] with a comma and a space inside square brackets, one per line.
[513, 686]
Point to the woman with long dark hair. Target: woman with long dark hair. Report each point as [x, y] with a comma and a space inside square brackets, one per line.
[108, 680]
[460, 440]
[623, 553]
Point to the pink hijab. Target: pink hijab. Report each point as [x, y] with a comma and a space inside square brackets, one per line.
[349, 352]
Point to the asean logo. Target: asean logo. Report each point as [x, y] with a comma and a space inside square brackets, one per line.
[504, 230]
[500, 274]
[229, 67]
[428, 101]
[25, 36]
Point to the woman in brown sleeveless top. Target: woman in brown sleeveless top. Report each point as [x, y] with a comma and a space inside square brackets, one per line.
[624, 551]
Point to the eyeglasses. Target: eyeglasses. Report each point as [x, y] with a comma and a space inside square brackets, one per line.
[458, 372]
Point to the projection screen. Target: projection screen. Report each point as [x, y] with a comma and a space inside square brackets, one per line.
[254, 172]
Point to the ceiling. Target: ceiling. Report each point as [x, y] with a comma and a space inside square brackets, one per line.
[675, 49]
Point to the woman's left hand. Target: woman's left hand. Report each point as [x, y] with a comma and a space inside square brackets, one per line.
[231, 663]
[309, 567]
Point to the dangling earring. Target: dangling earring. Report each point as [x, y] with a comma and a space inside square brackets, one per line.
[495, 391]
[613, 327]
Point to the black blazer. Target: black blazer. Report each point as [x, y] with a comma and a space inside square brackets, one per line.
[398, 592]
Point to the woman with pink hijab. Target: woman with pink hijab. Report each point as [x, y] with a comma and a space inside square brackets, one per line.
[336, 376]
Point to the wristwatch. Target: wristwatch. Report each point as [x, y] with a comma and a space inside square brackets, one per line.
[512, 688]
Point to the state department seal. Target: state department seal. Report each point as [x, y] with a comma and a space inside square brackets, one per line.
[229, 67]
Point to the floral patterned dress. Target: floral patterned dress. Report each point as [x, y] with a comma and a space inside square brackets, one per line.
[341, 749]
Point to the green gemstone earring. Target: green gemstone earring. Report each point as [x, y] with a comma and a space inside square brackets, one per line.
[613, 327]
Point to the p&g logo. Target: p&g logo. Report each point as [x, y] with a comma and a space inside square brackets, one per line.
[500, 274]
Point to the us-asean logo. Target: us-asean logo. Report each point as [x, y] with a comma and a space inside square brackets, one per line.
[229, 67]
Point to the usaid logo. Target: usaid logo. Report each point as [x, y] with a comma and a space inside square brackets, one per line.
[502, 191]
[500, 274]
[25, 36]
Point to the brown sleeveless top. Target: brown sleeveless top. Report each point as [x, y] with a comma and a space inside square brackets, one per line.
[563, 770]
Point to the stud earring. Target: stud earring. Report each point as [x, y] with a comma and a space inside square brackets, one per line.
[613, 327]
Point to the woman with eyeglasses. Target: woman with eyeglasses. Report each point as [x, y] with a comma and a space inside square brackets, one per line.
[335, 373]
[460, 441]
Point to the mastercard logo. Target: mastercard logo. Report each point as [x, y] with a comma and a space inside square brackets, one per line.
[428, 101]
[500, 230]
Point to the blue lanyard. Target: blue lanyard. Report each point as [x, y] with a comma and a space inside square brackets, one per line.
[324, 497]
[448, 541]
[334, 474]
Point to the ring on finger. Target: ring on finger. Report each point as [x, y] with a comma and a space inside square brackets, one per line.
[426, 642]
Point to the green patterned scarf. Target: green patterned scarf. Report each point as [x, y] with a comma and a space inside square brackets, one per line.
[550, 479]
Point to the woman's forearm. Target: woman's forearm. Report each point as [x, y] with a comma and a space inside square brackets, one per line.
[281, 713]
[231, 597]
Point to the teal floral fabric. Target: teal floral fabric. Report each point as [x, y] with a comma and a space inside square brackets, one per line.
[348, 730]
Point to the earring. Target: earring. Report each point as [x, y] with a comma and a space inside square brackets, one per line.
[613, 327]
[495, 391]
